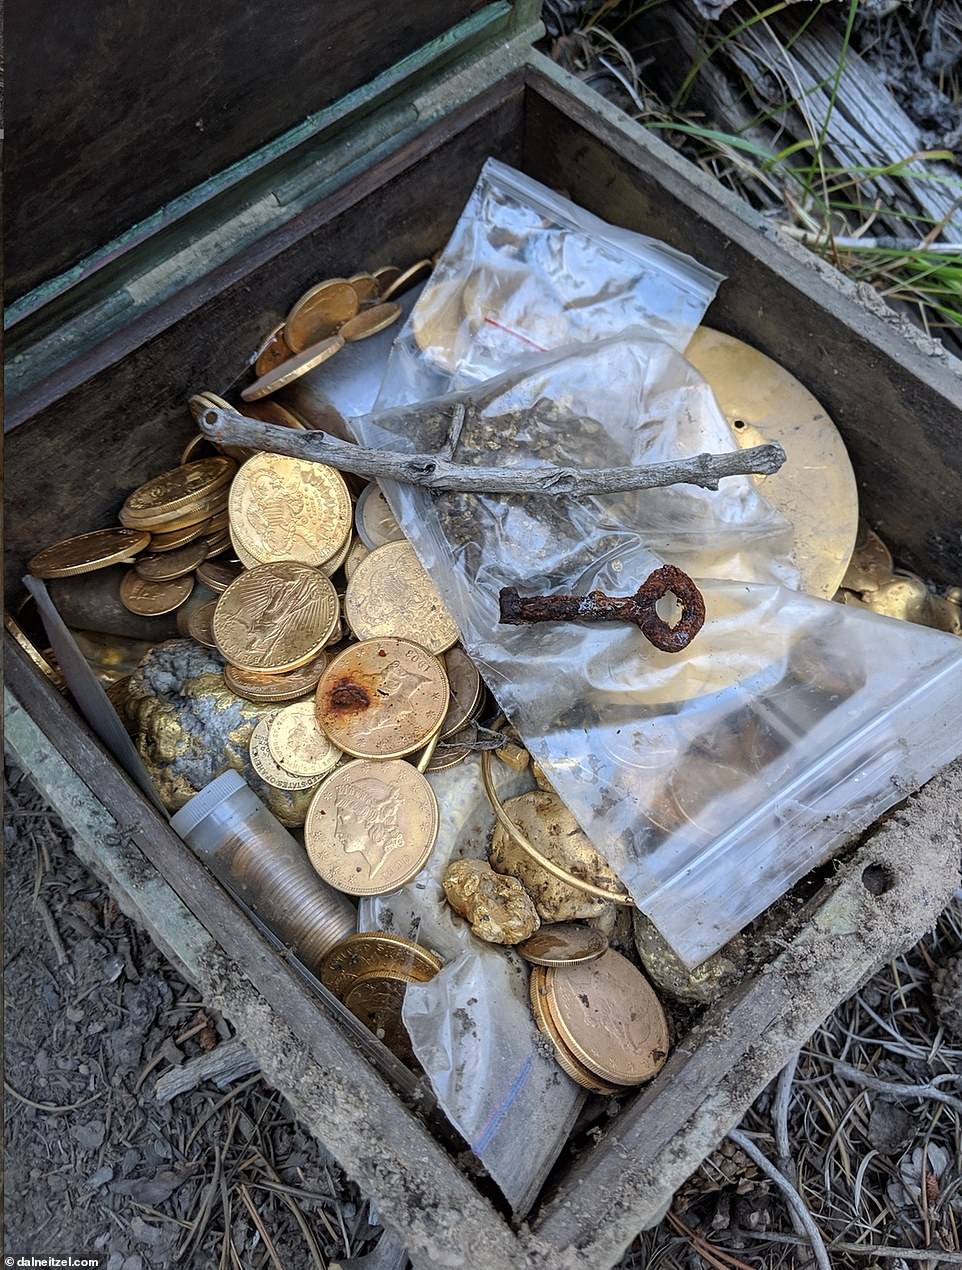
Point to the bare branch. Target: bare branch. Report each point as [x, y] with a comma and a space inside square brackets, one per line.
[434, 471]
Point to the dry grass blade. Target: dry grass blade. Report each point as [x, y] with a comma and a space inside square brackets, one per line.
[791, 1194]
[261, 1228]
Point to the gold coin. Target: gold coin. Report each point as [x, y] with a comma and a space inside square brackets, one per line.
[153, 599]
[87, 552]
[272, 352]
[447, 756]
[296, 742]
[384, 275]
[563, 944]
[199, 624]
[375, 520]
[275, 617]
[319, 312]
[180, 487]
[382, 698]
[407, 279]
[294, 367]
[171, 564]
[365, 288]
[392, 594]
[244, 557]
[376, 953]
[266, 766]
[286, 687]
[330, 567]
[197, 514]
[194, 450]
[871, 564]
[216, 546]
[565, 1059]
[378, 1002]
[815, 488]
[609, 1018]
[355, 554]
[378, 318]
[289, 509]
[371, 826]
[218, 575]
[273, 412]
[465, 685]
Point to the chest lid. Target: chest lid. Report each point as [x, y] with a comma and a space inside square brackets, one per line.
[124, 118]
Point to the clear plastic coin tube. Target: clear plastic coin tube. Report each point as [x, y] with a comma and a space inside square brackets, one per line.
[247, 849]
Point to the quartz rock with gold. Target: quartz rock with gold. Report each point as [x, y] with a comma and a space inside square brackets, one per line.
[189, 727]
[497, 907]
[550, 827]
[699, 986]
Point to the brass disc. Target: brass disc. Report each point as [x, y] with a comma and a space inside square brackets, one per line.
[275, 617]
[154, 599]
[312, 356]
[815, 488]
[382, 698]
[319, 312]
[391, 593]
[88, 552]
[289, 509]
[609, 1018]
[371, 826]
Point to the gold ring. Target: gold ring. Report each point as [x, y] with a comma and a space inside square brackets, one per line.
[548, 865]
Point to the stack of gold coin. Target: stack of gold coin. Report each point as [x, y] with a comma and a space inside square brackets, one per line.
[329, 315]
[370, 974]
[604, 1020]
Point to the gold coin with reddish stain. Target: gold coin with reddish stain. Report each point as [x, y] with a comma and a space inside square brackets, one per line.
[88, 552]
[296, 741]
[382, 698]
[370, 321]
[275, 617]
[609, 1018]
[153, 599]
[371, 826]
[289, 509]
[390, 593]
[319, 312]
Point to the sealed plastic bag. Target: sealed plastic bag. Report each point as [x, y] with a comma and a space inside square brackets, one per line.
[710, 779]
[471, 1026]
[525, 271]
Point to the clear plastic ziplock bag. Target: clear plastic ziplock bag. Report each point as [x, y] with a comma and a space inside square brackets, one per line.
[471, 1026]
[710, 779]
[526, 271]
